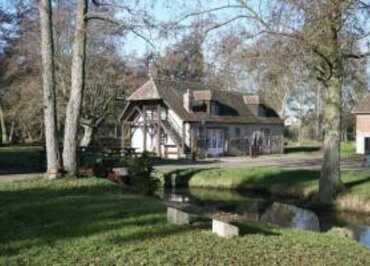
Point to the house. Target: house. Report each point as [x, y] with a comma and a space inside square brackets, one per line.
[292, 121]
[362, 113]
[175, 119]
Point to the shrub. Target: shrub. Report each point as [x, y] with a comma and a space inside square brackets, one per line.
[140, 171]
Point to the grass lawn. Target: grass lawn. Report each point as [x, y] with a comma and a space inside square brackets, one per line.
[297, 183]
[22, 159]
[347, 148]
[93, 222]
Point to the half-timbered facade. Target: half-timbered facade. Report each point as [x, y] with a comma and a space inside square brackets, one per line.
[174, 119]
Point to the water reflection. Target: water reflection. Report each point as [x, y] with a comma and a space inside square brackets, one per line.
[250, 207]
[362, 234]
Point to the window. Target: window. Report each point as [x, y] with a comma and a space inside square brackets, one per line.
[266, 131]
[237, 132]
[266, 111]
[214, 141]
[221, 141]
[163, 114]
[199, 107]
[367, 145]
[214, 109]
[163, 139]
[208, 142]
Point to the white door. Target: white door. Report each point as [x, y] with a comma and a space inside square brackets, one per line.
[215, 141]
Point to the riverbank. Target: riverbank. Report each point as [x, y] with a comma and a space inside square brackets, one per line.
[300, 184]
[91, 221]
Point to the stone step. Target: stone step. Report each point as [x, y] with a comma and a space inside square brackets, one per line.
[224, 229]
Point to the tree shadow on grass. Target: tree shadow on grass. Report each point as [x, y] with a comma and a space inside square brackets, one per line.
[358, 182]
[22, 160]
[253, 229]
[307, 148]
[182, 162]
[46, 214]
[298, 183]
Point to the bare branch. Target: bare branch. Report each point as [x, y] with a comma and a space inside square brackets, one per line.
[325, 58]
[120, 25]
[357, 56]
[253, 15]
[194, 14]
[219, 25]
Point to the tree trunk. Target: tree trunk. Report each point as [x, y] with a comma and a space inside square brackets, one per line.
[87, 137]
[330, 181]
[344, 134]
[318, 113]
[77, 87]
[11, 132]
[41, 135]
[48, 77]
[4, 135]
[29, 137]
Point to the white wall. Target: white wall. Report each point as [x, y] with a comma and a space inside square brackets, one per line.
[137, 140]
[172, 116]
[360, 141]
[188, 134]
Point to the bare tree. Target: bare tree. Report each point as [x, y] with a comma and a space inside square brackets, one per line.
[78, 67]
[47, 55]
[5, 20]
[77, 86]
[4, 134]
[97, 106]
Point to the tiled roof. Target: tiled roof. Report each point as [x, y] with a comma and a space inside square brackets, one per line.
[171, 92]
[145, 92]
[363, 107]
[252, 99]
[202, 95]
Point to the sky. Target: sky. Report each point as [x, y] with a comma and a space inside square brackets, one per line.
[166, 10]
[173, 10]
[162, 11]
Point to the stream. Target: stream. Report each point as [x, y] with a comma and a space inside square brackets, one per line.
[250, 207]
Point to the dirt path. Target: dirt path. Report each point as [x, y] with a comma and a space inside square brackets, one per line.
[287, 161]
[15, 177]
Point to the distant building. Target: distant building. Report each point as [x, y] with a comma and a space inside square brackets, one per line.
[174, 119]
[292, 121]
[362, 113]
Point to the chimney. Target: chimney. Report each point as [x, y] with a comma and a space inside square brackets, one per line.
[188, 100]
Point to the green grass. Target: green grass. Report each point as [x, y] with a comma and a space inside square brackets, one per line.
[22, 159]
[277, 181]
[27, 159]
[347, 148]
[92, 222]
[305, 141]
